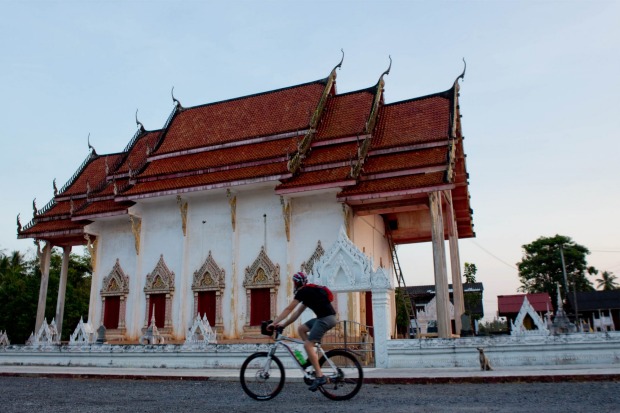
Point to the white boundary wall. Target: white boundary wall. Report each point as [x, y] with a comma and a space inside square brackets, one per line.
[569, 349]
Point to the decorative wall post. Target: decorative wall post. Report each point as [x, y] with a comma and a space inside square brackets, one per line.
[183, 208]
[232, 200]
[444, 328]
[136, 227]
[92, 250]
[62, 288]
[381, 321]
[44, 265]
[286, 212]
[347, 214]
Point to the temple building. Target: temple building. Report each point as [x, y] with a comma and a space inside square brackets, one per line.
[212, 213]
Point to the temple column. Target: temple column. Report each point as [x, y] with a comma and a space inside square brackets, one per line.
[455, 264]
[442, 295]
[44, 265]
[62, 288]
[381, 322]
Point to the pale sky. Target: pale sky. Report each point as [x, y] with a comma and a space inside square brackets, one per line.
[539, 99]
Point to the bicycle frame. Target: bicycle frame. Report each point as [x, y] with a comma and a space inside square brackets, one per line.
[282, 341]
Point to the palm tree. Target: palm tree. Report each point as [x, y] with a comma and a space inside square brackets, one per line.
[607, 281]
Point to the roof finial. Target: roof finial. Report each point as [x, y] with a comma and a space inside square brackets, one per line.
[34, 207]
[138, 123]
[92, 149]
[462, 75]
[387, 72]
[19, 225]
[55, 188]
[175, 100]
[339, 65]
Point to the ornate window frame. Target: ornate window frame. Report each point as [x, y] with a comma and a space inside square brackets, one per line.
[115, 284]
[210, 277]
[160, 281]
[263, 273]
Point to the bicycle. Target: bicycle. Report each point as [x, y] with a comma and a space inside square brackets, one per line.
[262, 374]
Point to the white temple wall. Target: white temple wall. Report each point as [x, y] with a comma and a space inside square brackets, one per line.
[315, 218]
[260, 222]
[114, 241]
[161, 234]
[209, 228]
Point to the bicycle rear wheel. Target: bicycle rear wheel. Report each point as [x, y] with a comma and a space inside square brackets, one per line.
[346, 379]
[262, 378]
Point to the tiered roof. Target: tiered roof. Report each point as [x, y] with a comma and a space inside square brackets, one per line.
[377, 157]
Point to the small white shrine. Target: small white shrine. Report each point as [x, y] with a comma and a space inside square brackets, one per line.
[84, 334]
[4, 339]
[46, 335]
[200, 333]
[528, 321]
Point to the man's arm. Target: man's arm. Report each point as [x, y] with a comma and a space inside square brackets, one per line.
[290, 309]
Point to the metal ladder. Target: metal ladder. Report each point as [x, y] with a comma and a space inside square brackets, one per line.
[408, 304]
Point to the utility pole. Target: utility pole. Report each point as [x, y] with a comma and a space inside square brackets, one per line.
[567, 290]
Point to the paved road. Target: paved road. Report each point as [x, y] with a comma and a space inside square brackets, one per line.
[39, 394]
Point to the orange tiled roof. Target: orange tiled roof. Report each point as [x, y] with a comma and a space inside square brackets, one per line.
[221, 157]
[345, 115]
[401, 183]
[406, 160]
[264, 114]
[251, 139]
[102, 207]
[137, 155]
[93, 175]
[251, 173]
[315, 178]
[415, 121]
[52, 226]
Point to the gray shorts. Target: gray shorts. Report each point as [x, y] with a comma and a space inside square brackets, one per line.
[319, 326]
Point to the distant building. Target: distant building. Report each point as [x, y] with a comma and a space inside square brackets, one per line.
[599, 309]
[422, 300]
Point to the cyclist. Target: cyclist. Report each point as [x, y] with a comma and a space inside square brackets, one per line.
[318, 299]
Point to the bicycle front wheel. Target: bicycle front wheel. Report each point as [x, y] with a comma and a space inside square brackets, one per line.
[344, 373]
[262, 377]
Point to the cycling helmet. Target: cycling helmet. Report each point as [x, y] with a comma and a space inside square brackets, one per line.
[300, 279]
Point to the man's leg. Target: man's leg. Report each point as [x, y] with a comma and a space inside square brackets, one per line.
[313, 358]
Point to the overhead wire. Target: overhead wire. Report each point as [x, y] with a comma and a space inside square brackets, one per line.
[493, 255]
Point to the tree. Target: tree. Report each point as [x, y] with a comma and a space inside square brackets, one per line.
[607, 282]
[470, 273]
[19, 293]
[540, 270]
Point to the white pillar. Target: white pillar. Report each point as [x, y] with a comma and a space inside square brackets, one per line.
[44, 264]
[62, 288]
[444, 328]
[455, 264]
[381, 322]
